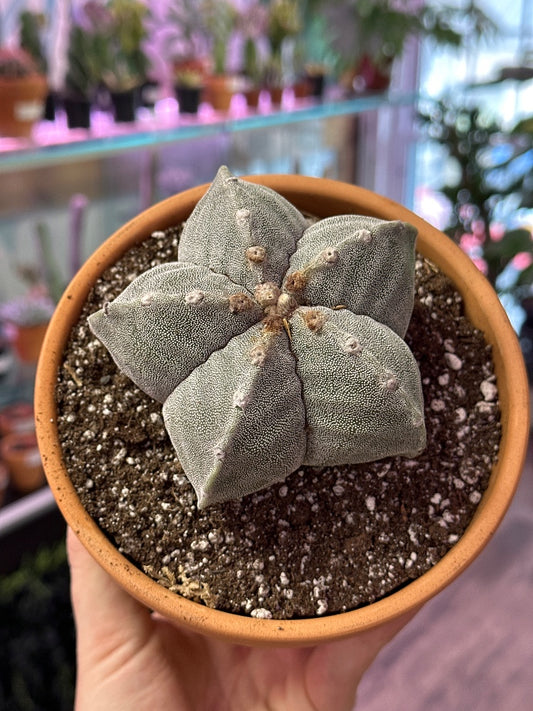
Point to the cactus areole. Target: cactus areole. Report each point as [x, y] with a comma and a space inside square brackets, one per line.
[272, 342]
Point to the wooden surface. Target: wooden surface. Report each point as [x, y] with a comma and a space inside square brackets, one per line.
[471, 647]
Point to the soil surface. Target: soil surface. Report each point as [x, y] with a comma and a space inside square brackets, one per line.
[324, 541]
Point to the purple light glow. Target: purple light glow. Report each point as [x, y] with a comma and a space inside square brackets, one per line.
[165, 115]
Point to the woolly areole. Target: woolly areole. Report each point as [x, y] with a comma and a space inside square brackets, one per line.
[273, 343]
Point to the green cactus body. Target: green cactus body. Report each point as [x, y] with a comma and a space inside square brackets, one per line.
[271, 343]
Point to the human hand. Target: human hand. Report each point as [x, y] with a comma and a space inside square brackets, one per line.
[132, 660]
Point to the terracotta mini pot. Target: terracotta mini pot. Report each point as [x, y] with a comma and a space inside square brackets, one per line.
[20, 453]
[4, 482]
[322, 198]
[276, 94]
[17, 417]
[252, 95]
[220, 89]
[22, 104]
[27, 341]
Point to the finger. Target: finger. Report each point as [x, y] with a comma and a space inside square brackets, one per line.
[335, 669]
[106, 616]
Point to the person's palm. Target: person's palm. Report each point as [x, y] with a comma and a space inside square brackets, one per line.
[131, 659]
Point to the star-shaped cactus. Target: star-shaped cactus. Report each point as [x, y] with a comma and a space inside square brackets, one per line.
[273, 344]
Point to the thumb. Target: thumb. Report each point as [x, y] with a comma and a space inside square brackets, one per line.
[109, 622]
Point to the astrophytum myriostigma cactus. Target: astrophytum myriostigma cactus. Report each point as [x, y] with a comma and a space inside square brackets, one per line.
[271, 343]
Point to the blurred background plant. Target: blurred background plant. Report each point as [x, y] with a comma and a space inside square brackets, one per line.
[37, 646]
[15, 63]
[220, 18]
[87, 49]
[373, 33]
[125, 64]
[285, 22]
[32, 25]
[252, 24]
[489, 187]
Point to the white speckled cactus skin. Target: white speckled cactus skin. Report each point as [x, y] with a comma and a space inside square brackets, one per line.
[273, 344]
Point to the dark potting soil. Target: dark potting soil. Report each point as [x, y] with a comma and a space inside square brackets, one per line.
[324, 541]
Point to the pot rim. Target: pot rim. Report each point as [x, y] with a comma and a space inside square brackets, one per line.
[482, 307]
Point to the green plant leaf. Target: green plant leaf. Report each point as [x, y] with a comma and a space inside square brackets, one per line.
[512, 243]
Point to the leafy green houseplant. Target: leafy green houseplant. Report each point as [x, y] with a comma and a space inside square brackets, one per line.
[383, 27]
[489, 184]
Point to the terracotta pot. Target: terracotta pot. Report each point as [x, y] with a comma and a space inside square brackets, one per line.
[27, 341]
[220, 89]
[20, 453]
[17, 417]
[276, 94]
[252, 95]
[323, 198]
[368, 76]
[302, 88]
[4, 482]
[22, 104]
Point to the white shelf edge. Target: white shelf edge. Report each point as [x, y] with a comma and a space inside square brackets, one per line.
[25, 510]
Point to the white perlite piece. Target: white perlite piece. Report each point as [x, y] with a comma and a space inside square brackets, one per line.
[370, 503]
[438, 405]
[453, 361]
[460, 415]
[261, 613]
[322, 607]
[488, 390]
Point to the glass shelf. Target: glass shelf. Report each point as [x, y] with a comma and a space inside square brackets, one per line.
[53, 143]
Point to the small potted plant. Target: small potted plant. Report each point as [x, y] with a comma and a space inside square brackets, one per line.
[315, 56]
[489, 178]
[32, 25]
[374, 34]
[125, 64]
[87, 50]
[284, 24]
[178, 41]
[189, 85]
[20, 453]
[17, 417]
[26, 320]
[252, 27]
[4, 481]
[231, 261]
[23, 89]
[220, 17]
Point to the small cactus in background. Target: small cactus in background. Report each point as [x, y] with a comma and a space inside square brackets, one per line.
[16, 64]
[273, 344]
